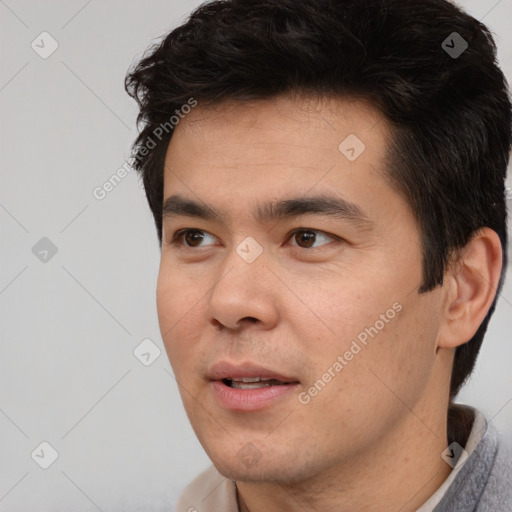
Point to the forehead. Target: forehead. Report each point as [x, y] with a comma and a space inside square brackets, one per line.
[284, 130]
[284, 120]
[283, 147]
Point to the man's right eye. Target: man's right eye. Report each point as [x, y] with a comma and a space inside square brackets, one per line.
[192, 237]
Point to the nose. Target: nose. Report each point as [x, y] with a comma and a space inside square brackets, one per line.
[245, 293]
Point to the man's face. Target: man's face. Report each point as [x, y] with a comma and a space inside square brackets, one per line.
[325, 304]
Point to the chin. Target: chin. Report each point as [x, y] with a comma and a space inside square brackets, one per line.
[254, 475]
[265, 470]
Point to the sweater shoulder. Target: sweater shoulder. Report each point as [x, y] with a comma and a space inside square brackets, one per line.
[497, 494]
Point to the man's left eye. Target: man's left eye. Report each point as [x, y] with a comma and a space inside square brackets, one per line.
[308, 237]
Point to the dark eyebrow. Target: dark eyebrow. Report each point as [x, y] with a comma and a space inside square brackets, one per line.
[177, 205]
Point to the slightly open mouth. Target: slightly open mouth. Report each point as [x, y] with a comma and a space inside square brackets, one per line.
[254, 383]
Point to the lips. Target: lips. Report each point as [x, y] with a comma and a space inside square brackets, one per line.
[249, 387]
[248, 373]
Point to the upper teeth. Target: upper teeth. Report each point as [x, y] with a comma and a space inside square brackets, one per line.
[249, 379]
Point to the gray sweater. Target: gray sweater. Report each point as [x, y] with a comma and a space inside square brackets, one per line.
[483, 483]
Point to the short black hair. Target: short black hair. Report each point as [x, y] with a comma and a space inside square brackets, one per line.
[448, 105]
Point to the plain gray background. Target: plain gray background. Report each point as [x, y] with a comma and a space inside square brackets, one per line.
[72, 320]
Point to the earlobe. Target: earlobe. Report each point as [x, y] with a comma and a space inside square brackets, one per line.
[470, 287]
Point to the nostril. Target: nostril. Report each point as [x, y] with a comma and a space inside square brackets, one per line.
[250, 319]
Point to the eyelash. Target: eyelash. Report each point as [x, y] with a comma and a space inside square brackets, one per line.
[178, 237]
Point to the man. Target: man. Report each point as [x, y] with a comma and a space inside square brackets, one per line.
[327, 182]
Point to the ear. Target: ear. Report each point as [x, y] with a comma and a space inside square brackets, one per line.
[470, 287]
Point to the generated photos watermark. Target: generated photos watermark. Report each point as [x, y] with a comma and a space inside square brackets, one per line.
[100, 192]
[341, 361]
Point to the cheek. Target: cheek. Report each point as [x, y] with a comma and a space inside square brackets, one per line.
[178, 306]
[401, 356]
[166, 304]
[417, 334]
[350, 309]
[382, 334]
[177, 294]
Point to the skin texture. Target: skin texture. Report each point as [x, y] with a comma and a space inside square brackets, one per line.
[372, 438]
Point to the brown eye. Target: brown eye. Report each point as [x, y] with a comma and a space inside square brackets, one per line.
[305, 238]
[192, 237]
